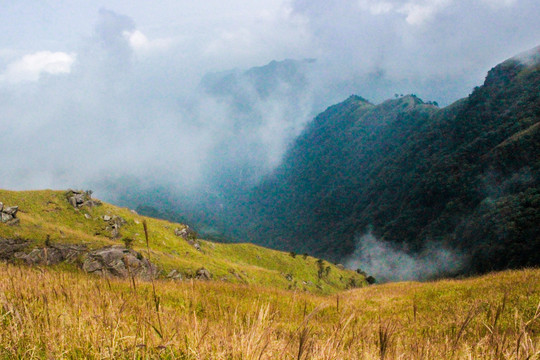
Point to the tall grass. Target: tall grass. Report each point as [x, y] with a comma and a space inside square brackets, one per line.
[50, 314]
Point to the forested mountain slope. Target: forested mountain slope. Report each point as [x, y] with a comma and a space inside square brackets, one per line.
[466, 176]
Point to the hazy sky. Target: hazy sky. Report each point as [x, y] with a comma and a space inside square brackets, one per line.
[93, 90]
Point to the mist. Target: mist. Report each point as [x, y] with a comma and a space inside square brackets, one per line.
[187, 97]
[387, 262]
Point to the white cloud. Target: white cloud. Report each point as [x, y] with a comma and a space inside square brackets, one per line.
[30, 67]
[140, 42]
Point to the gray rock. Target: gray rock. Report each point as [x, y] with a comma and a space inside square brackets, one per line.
[1, 206]
[9, 247]
[12, 210]
[340, 266]
[106, 218]
[203, 274]
[195, 244]
[186, 233]
[88, 216]
[175, 275]
[6, 217]
[73, 201]
[119, 261]
[55, 254]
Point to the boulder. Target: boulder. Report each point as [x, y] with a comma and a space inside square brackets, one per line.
[8, 214]
[79, 198]
[11, 210]
[6, 217]
[119, 261]
[203, 274]
[175, 275]
[186, 233]
[1, 206]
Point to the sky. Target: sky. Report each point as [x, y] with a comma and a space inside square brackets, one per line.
[94, 92]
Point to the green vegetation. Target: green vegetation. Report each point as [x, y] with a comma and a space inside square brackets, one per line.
[47, 217]
[466, 176]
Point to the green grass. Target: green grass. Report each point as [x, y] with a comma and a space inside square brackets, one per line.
[47, 213]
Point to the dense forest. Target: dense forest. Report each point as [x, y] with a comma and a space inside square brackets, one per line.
[464, 176]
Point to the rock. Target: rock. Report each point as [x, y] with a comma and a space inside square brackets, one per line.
[8, 214]
[12, 210]
[88, 216]
[119, 221]
[186, 233]
[289, 277]
[175, 275]
[203, 274]
[106, 218]
[10, 247]
[79, 198]
[72, 201]
[6, 217]
[52, 255]
[91, 203]
[340, 266]
[195, 244]
[119, 261]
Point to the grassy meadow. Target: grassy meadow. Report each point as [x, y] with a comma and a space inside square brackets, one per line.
[47, 313]
[47, 213]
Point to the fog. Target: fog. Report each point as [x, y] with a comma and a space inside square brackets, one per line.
[387, 262]
[185, 97]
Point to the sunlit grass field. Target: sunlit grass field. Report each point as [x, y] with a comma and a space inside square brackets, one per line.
[48, 313]
[47, 213]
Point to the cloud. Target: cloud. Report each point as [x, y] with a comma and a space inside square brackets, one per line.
[117, 115]
[30, 67]
[132, 102]
[386, 262]
[140, 43]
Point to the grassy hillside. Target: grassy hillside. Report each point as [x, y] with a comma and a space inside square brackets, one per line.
[46, 313]
[48, 213]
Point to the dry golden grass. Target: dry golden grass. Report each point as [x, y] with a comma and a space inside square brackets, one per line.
[46, 313]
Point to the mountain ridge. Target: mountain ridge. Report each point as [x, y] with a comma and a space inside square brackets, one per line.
[410, 171]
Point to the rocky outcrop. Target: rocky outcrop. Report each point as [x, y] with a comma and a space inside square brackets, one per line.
[189, 235]
[203, 274]
[55, 254]
[186, 232]
[107, 261]
[119, 261]
[174, 275]
[11, 248]
[8, 214]
[79, 198]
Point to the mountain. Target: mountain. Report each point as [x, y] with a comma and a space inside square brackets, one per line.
[464, 177]
[73, 230]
